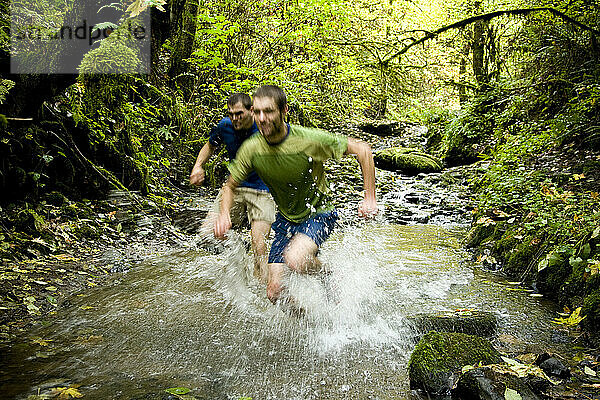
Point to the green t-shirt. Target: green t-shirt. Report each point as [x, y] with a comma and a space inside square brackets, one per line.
[292, 169]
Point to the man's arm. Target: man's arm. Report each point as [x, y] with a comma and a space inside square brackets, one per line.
[197, 175]
[223, 221]
[362, 150]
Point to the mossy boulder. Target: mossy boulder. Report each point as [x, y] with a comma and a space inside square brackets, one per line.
[438, 358]
[519, 259]
[471, 322]
[553, 270]
[409, 161]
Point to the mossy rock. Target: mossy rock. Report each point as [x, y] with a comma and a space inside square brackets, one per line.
[56, 198]
[438, 358]
[591, 310]
[481, 233]
[517, 263]
[553, 270]
[471, 322]
[407, 160]
[506, 243]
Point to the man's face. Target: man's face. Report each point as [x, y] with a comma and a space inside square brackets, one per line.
[241, 118]
[269, 119]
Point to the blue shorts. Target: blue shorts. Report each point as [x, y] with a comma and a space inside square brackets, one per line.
[317, 227]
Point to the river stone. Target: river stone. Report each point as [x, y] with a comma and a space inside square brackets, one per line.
[471, 322]
[406, 160]
[438, 358]
[380, 128]
[553, 366]
[484, 383]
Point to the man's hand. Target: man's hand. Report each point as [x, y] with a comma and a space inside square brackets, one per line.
[367, 208]
[222, 225]
[197, 176]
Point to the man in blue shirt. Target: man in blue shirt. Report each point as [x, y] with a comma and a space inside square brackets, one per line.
[253, 203]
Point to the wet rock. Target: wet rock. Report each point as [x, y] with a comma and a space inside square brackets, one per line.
[189, 220]
[380, 128]
[486, 383]
[553, 366]
[406, 160]
[438, 358]
[471, 322]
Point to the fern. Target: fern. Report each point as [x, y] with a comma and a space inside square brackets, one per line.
[5, 86]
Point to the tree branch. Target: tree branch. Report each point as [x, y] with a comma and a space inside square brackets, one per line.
[487, 17]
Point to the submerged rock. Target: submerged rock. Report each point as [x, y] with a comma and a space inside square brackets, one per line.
[438, 358]
[407, 160]
[471, 322]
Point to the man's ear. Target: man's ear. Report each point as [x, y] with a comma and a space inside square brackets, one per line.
[284, 112]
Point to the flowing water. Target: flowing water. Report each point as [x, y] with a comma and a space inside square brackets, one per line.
[189, 318]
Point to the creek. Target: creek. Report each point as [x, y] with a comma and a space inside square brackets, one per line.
[185, 317]
[176, 315]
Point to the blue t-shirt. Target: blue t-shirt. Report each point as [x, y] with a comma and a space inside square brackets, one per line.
[224, 133]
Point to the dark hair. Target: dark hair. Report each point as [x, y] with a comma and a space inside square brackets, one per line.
[273, 92]
[240, 98]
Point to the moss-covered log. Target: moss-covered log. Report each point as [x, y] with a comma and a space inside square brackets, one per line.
[407, 161]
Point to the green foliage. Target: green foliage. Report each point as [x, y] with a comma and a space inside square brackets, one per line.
[112, 57]
[126, 125]
[435, 119]
[178, 390]
[469, 134]
[5, 86]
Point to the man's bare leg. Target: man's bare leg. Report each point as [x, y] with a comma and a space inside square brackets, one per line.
[300, 255]
[274, 288]
[259, 231]
[208, 225]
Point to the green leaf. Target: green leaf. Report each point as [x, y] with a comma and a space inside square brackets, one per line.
[543, 264]
[178, 390]
[105, 25]
[586, 251]
[575, 262]
[510, 394]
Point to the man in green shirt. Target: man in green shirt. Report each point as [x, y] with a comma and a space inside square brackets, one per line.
[289, 159]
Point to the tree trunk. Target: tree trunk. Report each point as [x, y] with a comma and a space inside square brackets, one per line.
[478, 48]
[462, 89]
[183, 24]
[161, 31]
